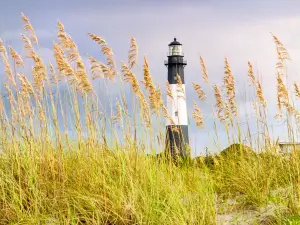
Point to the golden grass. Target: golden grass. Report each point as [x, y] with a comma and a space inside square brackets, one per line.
[204, 70]
[197, 115]
[201, 94]
[107, 51]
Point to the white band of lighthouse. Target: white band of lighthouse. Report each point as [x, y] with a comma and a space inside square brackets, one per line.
[177, 106]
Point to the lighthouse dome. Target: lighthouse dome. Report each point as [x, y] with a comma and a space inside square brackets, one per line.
[175, 42]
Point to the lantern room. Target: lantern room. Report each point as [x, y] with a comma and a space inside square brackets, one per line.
[175, 48]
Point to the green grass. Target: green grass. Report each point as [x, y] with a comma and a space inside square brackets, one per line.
[292, 220]
[117, 187]
[102, 188]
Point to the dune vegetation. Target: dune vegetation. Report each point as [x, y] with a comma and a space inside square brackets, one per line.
[70, 156]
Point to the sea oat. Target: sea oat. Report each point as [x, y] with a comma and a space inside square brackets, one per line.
[100, 70]
[28, 46]
[155, 99]
[2, 48]
[95, 68]
[176, 130]
[8, 71]
[73, 55]
[282, 55]
[16, 57]
[61, 27]
[26, 90]
[219, 103]
[39, 69]
[169, 92]
[197, 115]
[167, 116]
[55, 77]
[67, 43]
[130, 78]
[2, 108]
[297, 90]
[251, 73]
[81, 74]
[12, 103]
[281, 50]
[154, 93]
[145, 109]
[63, 66]
[204, 70]
[39, 72]
[260, 95]
[108, 73]
[118, 115]
[230, 88]
[28, 27]
[201, 94]
[283, 96]
[133, 53]
[279, 114]
[107, 51]
[41, 112]
[147, 76]
[227, 112]
[26, 87]
[180, 90]
[281, 88]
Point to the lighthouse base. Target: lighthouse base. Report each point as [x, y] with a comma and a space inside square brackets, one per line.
[177, 141]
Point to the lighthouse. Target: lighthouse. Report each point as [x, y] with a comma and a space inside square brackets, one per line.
[177, 138]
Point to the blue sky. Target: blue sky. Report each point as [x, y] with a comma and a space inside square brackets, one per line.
[239, 30]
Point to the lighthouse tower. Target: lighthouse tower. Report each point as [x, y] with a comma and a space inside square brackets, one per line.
[177, 138]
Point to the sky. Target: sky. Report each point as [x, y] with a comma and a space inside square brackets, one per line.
[214, 29]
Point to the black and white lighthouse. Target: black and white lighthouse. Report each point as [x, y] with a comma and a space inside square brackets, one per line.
[177, 138]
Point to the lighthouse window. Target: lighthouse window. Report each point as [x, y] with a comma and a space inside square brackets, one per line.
[176, 113]
[175, 50]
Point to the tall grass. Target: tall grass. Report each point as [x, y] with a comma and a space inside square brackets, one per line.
[68, 157]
